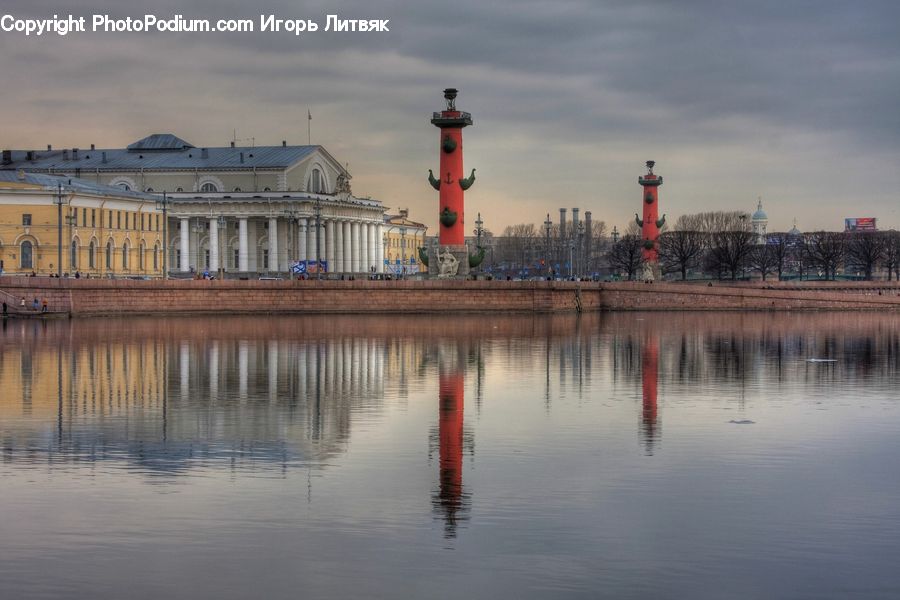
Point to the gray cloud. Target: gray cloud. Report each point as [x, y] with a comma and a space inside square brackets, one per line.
[794, 101]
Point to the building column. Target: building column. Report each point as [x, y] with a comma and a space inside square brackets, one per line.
[363, 248]
[301, 240]
[348, 247]
[338, 247]
[379, 239]
[321, 235]
[213, 245]
[185, 245]
[243, 246]
[273, 244]
[311, 239]
[329, 245]
[373, 243]
[354, 247]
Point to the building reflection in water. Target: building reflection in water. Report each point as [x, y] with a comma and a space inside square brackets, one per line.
[164, 397]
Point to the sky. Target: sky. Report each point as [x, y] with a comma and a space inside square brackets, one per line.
[791, 101]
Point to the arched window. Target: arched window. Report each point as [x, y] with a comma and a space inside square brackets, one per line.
[209, 187]
[109, 264]
[316, 181]
[141, 258]
[156, 257]
[237, 189]
[149, 190]
[125, 187]
[27, 255]
[92, 259]
[73, 259]
[125, 256]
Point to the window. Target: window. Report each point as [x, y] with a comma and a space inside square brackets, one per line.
[118, 219]
[84, 217]
[156, 258]
[73, 259]
[109, 214]
[27, 253]
[179, 189]
[149, 190]
[157, 222]
[93, 217]
[209, 187]
[236, 261]
[207, 259]
[265, 259]
[178, 259]
[237, 189]
[141, 257]
[125, 256]
[125, 187]
[316, 181]
[92, 260]
[26, 220]
[109, 255]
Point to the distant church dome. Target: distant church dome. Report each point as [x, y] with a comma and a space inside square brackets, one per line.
[794, 231]
[760, 214]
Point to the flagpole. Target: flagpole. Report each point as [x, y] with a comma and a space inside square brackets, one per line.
[308, 127]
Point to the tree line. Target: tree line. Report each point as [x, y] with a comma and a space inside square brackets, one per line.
[722, 245]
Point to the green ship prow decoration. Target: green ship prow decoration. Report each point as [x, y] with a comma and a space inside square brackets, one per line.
[638, 220]
[477, 258]
[661, 222]
[466, 182]
[448, 217]
[435, 183]
[423, 256]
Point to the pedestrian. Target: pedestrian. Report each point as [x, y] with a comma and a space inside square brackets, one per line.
[22, 303]
[35, 305]
[77, 274]
[44, 305]
[5, 310]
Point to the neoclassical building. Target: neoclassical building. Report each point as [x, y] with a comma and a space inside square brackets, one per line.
[247, 210]
[105, 231]
[402, 239]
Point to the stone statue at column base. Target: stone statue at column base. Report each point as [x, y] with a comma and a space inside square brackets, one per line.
[650, 272]
[448, 262]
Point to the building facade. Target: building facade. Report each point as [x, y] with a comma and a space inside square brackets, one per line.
[241, 210]
[760, 223]
[402, 240]
[105, 231]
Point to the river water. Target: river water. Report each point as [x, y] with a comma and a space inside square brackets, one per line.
[657, 455]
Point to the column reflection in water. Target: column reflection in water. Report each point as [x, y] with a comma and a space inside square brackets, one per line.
[649, 380]
[451, 500]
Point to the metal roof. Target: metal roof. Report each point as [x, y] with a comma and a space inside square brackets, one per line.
[51, 183]
[161, 156]
[159, 142]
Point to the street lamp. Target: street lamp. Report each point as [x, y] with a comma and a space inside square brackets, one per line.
[479, 231]
[579, 255]
[547, 225]
[59, 222]
[163, 205]
[615, 235]
[403, 253]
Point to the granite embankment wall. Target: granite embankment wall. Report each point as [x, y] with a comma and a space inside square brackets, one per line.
[108, 297]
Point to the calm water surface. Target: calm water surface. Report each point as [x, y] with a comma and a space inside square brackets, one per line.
[622, 456]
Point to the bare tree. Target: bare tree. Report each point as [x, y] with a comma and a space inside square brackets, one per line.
[780, 243]
[714, 222]
[729, 251]
[891, 258]
[763, 258]
[627, 255]
[680, 250]
[865, 249]
[825, 250]
[517, 242]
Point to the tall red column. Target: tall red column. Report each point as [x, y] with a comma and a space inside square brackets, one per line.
[651, 222]
[451, 181]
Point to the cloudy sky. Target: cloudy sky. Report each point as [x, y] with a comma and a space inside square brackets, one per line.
[796, 101]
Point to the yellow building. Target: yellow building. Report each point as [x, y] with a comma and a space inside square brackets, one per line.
[105, 231]
[402, 240]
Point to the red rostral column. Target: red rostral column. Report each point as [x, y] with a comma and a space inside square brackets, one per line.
[651, 222]
[649, 379]
[451, 182]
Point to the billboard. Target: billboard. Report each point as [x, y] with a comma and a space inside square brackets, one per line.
[860, 224]
[309, 266]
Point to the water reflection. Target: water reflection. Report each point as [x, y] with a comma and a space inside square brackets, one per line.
[361, 406]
